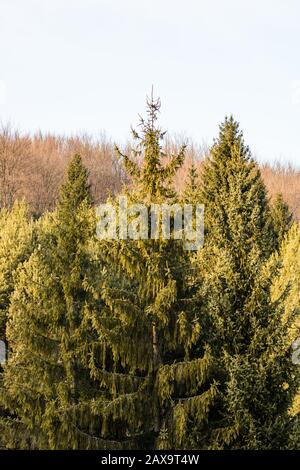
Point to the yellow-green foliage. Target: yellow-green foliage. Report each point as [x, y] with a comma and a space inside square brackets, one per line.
[16, 243]
[182, 378]
[194, 410]
[287, 281]
[147, 327]
[286, 286]
[117, 344]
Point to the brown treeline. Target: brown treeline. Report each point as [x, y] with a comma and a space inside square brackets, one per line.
[32, 168]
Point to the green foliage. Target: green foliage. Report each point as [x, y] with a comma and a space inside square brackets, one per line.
[288, 277]
[241, 323]
[16, 244]
[121, 344]
[154, 329]
[191, 193]
[153, 179]
[47, 384]
[282, 219]
[75, 188]
[287, 284]
[236, 207]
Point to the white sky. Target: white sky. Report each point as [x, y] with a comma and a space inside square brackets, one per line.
[87, 65]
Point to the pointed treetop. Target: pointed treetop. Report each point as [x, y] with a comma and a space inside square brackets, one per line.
[75, 188]
[152, 176]
[282, 218]
[191, 193]
[234, 195]
[230, 140]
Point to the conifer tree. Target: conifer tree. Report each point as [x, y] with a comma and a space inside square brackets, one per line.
[287, 280]
[282, 219]
[47, 385]
[16, 244]
[237, 210]
[118, 344]
[192, 193]
[242, 325]
[158, 378]
[288, 277]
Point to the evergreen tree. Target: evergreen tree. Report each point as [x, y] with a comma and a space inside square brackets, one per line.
[48, 388]
[75, 188]
[157, 376]
[16, 244]
[288, 277]
[192, 193]
[287, 280]
[118, 344]
[240, 322]
[282, 219]
[236, 205]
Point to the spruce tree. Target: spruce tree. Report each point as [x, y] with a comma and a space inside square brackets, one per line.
[47, 385]
[157, 373]
[287, 280]
[282, 219]
[236, 204]
[288, 276]
[135, 343]
[192, 193]
[16, 244]
[240, 322]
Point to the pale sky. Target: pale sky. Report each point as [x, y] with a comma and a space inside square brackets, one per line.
[87, 65]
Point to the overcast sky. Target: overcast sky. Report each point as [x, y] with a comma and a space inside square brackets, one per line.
[87, 65]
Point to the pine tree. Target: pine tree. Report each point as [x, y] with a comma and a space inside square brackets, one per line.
[282, 219]
[157, 375]
[48, 388]
[241, 323]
